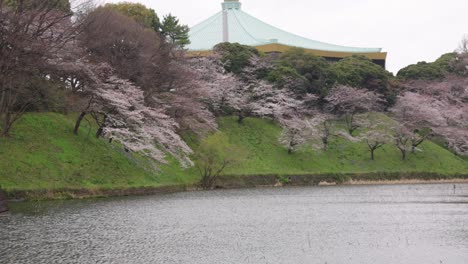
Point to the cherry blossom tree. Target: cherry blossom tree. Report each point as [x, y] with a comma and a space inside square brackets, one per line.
[463, 46]
[460, 64]
[418, 136]
[347, 102]
[436, 108]
[186, 102]
[295, 133]
[320, 130]
[401, 138]
[31, 32]
[375, 140]
[325, 132]
[122, 114]
[135, 52]
[299, 130]
[377, 134]
[246, 96]
[140, 128]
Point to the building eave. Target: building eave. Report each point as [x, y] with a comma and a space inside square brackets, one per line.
[281, 48]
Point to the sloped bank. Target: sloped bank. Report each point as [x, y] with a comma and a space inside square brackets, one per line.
[83, 193]
[251, 181]
[45, 160]
[254, 181]
[3, 202]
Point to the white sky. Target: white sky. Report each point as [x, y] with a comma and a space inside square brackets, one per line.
[409, 30]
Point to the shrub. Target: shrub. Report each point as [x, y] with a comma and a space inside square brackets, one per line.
[429, 71]
[315, 70]
[359, 71]
[235, 56]
[283, 76]
[420, 71]
[215, 154]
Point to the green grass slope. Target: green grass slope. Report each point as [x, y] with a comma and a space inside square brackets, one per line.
[267, 156]
[43, 153]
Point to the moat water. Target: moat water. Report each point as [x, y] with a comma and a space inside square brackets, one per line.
[340, 224]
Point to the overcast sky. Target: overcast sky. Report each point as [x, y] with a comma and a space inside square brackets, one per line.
[409, 30]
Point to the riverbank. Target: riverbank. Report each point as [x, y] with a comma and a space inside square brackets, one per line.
[238, 182]
[409, 182]
[45, 160]
[3, 202]
[255, 181]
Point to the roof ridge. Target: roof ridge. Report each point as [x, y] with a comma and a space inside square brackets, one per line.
[248, 30]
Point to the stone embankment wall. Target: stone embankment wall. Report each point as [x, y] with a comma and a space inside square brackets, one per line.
[3, 202]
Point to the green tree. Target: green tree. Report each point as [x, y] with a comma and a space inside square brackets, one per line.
[235, 56]
[285, 76]
[146, 17]
[317, 71]
[429, 71]
[174, 31]
[359, 71]
[213, 156]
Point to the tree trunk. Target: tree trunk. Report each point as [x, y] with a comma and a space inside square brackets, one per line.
[372, 154]
[207, 181]
[3, 202]
[101, 127]
[350, 123]
[6, 125]
[325, 143]
[240, 118]
[78, 123]
[99, 132]
[403, 154]
[291, 146]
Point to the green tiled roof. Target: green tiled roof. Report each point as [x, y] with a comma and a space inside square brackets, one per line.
[248, 30]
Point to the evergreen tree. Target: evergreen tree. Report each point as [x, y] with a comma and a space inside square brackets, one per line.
[174, 31]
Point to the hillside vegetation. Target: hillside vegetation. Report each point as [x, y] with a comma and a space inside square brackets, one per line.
[267, 156]
[146, 114]
[45, 154]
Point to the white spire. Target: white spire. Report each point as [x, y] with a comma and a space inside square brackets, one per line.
[231, 4]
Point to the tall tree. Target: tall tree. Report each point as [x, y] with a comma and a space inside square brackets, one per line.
[174, 31]
[146, 17]
[32, 33]
[135, 53]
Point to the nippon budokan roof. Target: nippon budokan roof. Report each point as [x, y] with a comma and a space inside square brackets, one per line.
[233, 25]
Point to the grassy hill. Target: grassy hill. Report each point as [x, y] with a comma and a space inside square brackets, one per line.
[44, 154]
[267, 156]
